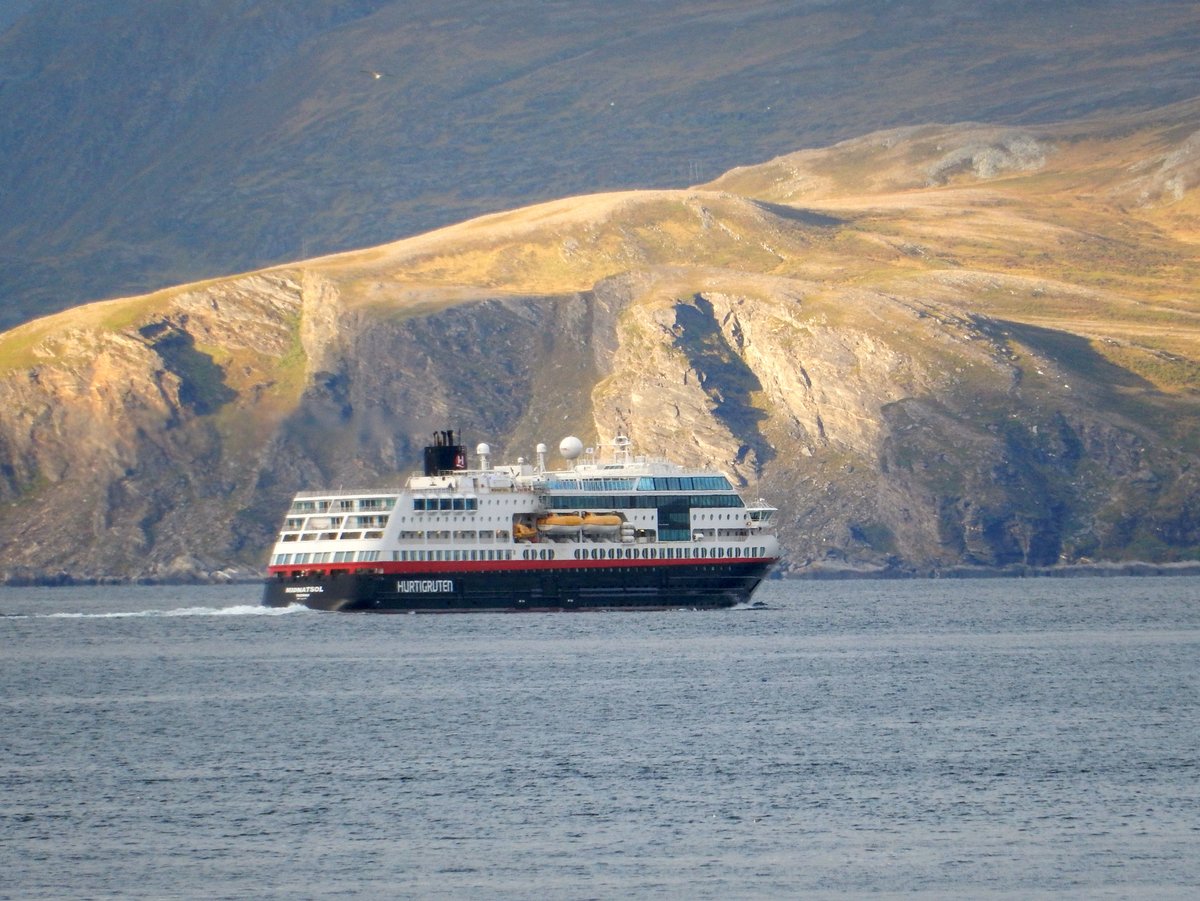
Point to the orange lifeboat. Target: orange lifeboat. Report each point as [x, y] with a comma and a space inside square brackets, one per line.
[601, 523]
[557, 523]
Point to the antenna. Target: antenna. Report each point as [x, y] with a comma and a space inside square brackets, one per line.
[621, 446]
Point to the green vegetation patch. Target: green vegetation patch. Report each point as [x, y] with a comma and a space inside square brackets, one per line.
[1166, 371]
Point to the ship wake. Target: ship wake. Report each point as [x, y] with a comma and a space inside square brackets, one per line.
[236, 610]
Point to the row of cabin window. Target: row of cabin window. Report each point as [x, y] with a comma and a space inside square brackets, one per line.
[394, 556]
[455, 555]
[638, 501]
[663, 534]
[590, 484]
[433, 504]
[296, 523]
[328, 536]
[644, 483]
[667, 553]
[457, 535]
[623, 553]
[326, 557]
[344, 504]
[684, 483]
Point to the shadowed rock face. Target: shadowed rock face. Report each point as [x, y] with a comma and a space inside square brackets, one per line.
[995, 370]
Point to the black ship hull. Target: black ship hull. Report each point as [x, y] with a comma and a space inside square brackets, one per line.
[658, 586]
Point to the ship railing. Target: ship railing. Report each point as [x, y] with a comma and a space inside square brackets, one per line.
[328, 506]
[346, 492]
[726, 534]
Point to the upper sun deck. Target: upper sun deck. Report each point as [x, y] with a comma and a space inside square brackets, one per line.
[614, 470]
[661, 477]
[588, 471]
[662, 481]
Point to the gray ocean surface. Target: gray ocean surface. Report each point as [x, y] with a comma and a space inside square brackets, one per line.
[947, 739]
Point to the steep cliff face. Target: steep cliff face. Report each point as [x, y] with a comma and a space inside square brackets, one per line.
[994, 367]
[932, 442]
[127, 433]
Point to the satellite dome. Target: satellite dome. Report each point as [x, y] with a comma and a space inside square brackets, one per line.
[483, 450]
[570, 448]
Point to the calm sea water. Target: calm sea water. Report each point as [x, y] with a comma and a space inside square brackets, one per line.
[937, 739]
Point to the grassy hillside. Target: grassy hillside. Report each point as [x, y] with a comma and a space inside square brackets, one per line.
[150, 144]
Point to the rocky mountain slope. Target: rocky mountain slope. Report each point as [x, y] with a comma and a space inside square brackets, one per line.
[932, 347]
[147, 144]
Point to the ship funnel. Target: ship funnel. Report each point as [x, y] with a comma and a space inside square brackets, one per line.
[444, 455]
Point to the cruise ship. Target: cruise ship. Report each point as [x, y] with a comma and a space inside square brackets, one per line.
[610, 531]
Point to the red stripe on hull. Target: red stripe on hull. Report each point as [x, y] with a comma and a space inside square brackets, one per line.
[450, 567]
